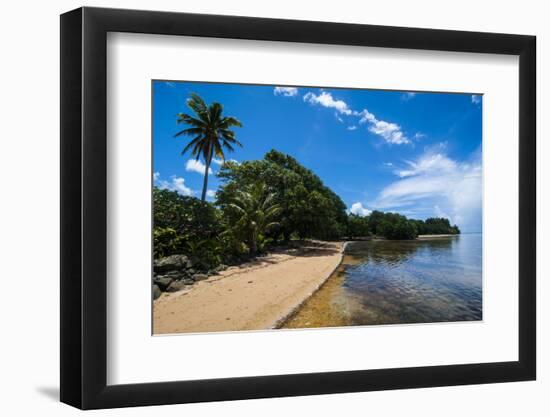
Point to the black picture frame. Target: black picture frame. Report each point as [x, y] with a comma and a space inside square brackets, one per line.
[84, 207]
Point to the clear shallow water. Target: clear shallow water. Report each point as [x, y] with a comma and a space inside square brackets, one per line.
[390, 282]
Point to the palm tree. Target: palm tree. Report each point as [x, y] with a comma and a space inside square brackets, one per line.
[210, 131]
[255, 214]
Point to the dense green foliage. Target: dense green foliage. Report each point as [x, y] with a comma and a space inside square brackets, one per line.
[184, 224]
[251, 214]
[396, 226]
[210, 132]
[308, 208]
[358, 226]
[435, 226]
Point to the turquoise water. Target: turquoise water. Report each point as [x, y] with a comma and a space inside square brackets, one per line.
[390, 282]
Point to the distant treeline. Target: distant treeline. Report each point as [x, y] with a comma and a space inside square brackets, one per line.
[265, 203]
[396, 226]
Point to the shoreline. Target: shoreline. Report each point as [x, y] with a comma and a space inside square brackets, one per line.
[274, 286]
[281, 322]
[424, 237]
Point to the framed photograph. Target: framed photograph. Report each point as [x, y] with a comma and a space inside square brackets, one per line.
[257, 208]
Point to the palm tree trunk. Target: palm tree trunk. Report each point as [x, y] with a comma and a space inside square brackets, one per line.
[205, 183]
[253, 244]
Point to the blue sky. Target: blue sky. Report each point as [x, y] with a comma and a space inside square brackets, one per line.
[415, 153]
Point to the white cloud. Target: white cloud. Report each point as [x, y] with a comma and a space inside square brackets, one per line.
[419, 135]
[285, 91]
[428, 163]
[476, 99]
[434, 184]
[326, 100]
[357, 208]
[176, 184]
[211, 193]
[217, 161]
[408, 96]
[156, 176]
[390, 132]
[388, 164]
[194, 165]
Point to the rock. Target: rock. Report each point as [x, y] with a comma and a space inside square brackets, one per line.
[200, 277]
[156, 292]
[218, 269]
[177, 286]
[171, 263]
[188, 281]
[177, 275]
[163, 281]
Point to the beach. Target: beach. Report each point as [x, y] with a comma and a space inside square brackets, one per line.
[257, 295]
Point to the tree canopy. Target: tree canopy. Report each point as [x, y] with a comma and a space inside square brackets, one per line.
[309, 209]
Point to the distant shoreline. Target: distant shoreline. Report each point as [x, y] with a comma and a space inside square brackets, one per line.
[425, 237]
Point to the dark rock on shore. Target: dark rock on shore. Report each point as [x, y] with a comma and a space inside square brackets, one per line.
[156, 292]
[163, 281]
[172, 263]
[177, 286]
[200, 277]
[176, 272]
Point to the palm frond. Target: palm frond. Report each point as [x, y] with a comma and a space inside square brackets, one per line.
[197, 104]
[190, 120]
[215, 111]
[230, 121]
[190, 144]
[192, 131]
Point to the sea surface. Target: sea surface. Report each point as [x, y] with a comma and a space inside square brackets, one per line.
[397, 282]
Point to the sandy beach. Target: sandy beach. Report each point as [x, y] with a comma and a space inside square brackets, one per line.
[424, 237]
[254, 296]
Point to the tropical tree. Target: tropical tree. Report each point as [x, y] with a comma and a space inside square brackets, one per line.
[309, 209]
[252, 212]
[210, 133]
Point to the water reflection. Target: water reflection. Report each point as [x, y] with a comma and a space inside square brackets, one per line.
[389, 282]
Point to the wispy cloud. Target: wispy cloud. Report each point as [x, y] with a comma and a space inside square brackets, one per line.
[352, 127]
[325, 99]
[436, 183]
[476, 99]
[407, 96]
[390, 132]
[359, 209]
[285, 91]
[211, 193]
[426, 164]
[170, 84]
[194, 165]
